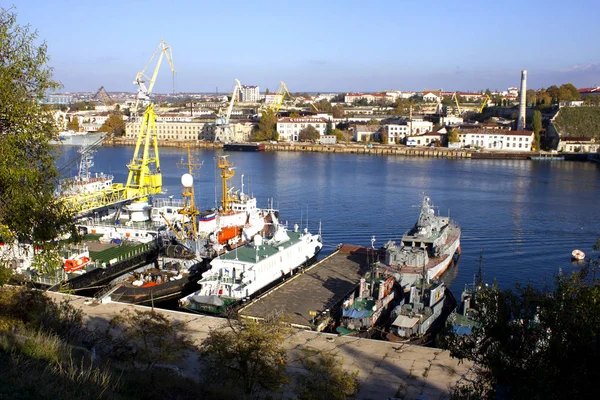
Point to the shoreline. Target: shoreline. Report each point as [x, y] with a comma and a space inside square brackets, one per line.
[355, 148]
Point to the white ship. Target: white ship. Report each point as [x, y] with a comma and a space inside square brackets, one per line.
[85, 181]
[243, 272]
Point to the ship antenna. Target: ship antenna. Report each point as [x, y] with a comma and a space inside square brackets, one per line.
[242, 191]
[319, 227]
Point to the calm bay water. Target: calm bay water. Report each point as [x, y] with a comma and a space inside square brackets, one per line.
[526, 216]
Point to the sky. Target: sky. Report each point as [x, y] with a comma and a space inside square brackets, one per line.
[320, 46]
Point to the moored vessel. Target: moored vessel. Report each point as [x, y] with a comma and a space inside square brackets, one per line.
[245, 271]
[429, 245]
[243, 147]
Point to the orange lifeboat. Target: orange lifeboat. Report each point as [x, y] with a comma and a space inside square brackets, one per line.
[228, 232]
[72, 265]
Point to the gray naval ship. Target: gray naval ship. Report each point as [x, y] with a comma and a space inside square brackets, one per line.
[426, 249]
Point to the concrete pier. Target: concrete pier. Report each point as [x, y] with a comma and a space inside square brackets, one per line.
[386, 370]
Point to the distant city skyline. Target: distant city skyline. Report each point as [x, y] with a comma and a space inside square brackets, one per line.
[320, 47]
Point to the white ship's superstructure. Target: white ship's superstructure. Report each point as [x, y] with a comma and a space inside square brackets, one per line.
[242, 272]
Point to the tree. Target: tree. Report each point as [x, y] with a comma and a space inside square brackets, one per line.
[247, 357]
[453, 136]
[374, 122]
[339, 135]
[323, 106]
[328, 128]
[310, 133]
[149, 338]
[338, 111]
[326, 380]
[385, 138]
[73, 124]
[536, 343]
[536, 126]
[531, 96]
[29, 210]
[267, 126]
[114, 125]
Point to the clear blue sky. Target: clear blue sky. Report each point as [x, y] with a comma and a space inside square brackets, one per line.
[321, 45]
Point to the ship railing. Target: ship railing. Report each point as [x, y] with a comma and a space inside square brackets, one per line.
[167, 202]
[222, 279]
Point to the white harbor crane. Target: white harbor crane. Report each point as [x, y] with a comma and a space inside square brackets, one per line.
[223, 130]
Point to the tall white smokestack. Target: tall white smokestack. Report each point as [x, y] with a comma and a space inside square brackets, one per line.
[523, 102]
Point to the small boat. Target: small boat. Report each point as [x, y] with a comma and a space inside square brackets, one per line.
[577, 255]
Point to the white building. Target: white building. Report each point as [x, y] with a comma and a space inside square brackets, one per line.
[167, 130]
[289, 128]
[490, 139]
[424, 139]
[250, 94]
[396, 132]
[433, 97]
[419, 126]
[366, 133]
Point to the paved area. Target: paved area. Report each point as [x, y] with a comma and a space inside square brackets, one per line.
[386, 370]
[315, 290]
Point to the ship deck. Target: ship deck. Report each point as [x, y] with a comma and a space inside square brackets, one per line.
[318, 288]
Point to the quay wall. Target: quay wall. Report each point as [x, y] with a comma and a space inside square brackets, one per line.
[380, 150]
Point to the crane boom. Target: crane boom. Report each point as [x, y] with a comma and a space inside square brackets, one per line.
[485, 101]
[143, 91]
[455, 98]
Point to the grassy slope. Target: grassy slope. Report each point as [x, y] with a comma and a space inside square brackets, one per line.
[579, 122]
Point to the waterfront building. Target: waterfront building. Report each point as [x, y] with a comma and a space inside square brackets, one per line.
[501, 139]
[170, 130]
[289, 128]
[424, 139]
[578, 144]
[396, 133]
[250, 94]
[234, 132]
[367, 133]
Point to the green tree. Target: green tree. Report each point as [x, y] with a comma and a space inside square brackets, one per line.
[328, 128]
[267, 126]
[73, 124]
[373, 121]
[535, 343]
[453, 136]
[531, 96]
[148, 338]
[114, 125]
[339, 135]
[310, 133]
[247, 357]
[536, 126]
[326, 379]
[323, 106]
[29, 210]
[385, 139]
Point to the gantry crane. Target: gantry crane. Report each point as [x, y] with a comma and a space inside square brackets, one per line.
[279, 96]
[142, 180]
[103, 96]
[222, 127]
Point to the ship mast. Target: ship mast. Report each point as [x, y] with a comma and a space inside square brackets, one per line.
[227, 172]
[189, 206]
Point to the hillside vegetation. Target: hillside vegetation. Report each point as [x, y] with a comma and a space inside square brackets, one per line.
[578, 122]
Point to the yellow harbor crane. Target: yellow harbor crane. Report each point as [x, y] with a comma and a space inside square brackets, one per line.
[455, 98]
[142, 179]
[279, 97]
[484, 103]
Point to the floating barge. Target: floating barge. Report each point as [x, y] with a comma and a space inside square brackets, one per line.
[308, 298]
[243, 147]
